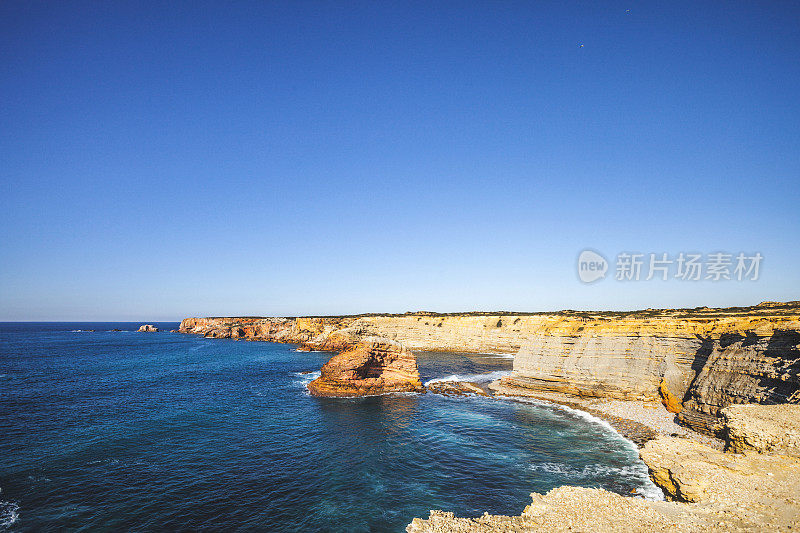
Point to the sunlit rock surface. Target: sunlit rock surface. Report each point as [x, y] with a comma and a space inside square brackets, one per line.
[373, 366]
[772, 429]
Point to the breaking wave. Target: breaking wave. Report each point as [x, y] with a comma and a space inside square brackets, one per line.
[576, 413]
[9, 513]
[474, 378]
[305, 379]
[499, 354]
[634, 472]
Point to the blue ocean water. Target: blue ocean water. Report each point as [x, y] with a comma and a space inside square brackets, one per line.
[122, 430]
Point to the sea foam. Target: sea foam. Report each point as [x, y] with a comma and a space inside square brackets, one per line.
[9, 513]
[474, 378]
[305, 379]
[638, 471]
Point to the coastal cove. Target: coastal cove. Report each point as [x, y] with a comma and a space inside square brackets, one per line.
[120, 429]
[710, 394]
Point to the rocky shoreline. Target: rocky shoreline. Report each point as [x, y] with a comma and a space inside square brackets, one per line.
[681, 384]
[637, 421]
[707, 489]
[696, 361]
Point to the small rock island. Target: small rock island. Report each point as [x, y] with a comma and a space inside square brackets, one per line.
[374, 365]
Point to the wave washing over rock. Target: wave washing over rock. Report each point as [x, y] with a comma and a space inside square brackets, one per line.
[473, 378]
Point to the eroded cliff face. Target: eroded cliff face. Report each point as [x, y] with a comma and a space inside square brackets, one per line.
[740, 368]
[698, 361]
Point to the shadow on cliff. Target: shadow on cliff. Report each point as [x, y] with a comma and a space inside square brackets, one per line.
[741, 368]
[785, 386]
[698, 363]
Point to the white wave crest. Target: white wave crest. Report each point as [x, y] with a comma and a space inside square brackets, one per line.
[305, 378]
[579, 414]
[647, 490]
[474, 378]
[636, 472]
[504, 355]
[9, 513]
[588, 471]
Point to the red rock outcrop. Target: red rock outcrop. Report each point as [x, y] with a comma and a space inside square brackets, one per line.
[374, 365]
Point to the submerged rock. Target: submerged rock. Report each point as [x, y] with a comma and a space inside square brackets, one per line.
[375, 365]
[456, 388]
[148, 328]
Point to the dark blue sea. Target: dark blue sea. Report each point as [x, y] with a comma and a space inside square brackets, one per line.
[127, 431]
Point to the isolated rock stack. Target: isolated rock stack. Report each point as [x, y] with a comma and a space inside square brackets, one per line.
[375, 365]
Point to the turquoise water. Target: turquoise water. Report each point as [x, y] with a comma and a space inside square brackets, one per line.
[162, 431]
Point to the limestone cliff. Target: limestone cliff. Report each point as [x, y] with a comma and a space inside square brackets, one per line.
[768, 429]
[707, 358]
[701, 359]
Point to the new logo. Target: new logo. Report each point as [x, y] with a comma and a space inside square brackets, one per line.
[591, 266]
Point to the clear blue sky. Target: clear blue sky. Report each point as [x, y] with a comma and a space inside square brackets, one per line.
[279, 158]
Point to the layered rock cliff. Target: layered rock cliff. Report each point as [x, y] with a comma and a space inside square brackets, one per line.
[372, 366]
[707, 358]
[697, 361]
